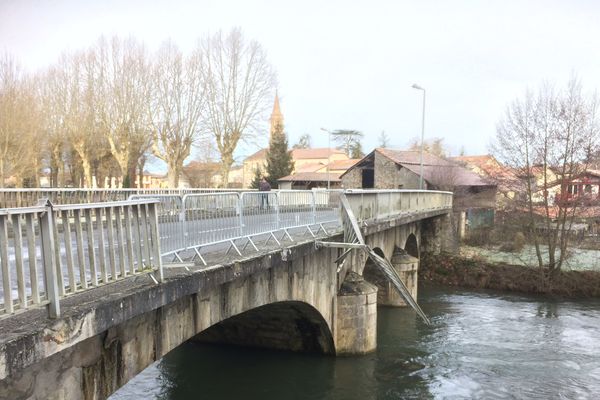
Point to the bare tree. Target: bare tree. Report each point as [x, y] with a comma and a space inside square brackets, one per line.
[17, 123]
[55, 140]
[176, 107]
[553, 132]
[384, 140]
[124, 89]
[434, 146]
[239, 82]
[72, 101]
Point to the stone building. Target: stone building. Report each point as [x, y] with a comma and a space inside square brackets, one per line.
[474, 197]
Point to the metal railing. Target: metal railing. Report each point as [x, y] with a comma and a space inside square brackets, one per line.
[12, 198]
[50, 251]
[193, 221]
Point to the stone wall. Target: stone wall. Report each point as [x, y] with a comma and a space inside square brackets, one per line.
[439, 234]
[389, 175]
[352, 179]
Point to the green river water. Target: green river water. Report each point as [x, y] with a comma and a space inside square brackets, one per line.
[482, 345]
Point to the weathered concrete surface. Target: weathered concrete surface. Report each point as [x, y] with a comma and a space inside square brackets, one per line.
[101, 343]
[439, 235]
[356, 331]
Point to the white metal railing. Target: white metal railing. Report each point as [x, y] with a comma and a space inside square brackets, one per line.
[192, 221]
[12, 198]
[50, 251]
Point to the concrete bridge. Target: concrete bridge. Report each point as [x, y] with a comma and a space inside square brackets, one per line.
[285, 276]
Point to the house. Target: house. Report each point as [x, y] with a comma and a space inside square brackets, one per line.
[317, 175]
[474, 197]
[310, 180]
[508, 182]
[305, 160]
[584, 189]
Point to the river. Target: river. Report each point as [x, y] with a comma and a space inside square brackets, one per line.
[482, 345]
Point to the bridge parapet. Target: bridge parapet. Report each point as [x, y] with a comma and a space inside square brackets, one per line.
[383, 204]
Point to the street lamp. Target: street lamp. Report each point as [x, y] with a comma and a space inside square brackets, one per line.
[328, 156]
[415, 86]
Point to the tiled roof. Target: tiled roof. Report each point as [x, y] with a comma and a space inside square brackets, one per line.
[311, 177]
[491, 169]
[310, 167]
[260, 154]
[435, 169]
[300, 154]
[343, 164]
[320, 152]
[413, 157]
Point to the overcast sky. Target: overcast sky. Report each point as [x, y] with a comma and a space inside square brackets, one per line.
[350, 64]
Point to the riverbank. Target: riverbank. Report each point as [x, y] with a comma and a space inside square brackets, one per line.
[468, 273]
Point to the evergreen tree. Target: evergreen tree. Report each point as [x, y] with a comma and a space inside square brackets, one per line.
[356, 150]
[279, 159]
[256, 179]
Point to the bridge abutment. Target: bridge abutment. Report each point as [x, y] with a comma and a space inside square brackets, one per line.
[439, 235]
[356, 317]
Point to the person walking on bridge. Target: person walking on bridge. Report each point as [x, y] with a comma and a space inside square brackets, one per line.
[264, 186]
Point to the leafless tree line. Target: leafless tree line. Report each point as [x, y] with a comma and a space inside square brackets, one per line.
[101, 111]
[554, 132]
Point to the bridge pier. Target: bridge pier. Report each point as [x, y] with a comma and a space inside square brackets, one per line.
[407, 268]
[356, 319]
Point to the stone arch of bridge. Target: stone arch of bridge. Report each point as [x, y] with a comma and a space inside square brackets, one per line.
[285, 325]
[372, 273]
[398, 237]
[411, 245]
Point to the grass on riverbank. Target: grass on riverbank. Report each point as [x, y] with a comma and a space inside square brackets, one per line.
[452, 270]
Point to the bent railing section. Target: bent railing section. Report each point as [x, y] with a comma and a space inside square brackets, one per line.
[48, 252]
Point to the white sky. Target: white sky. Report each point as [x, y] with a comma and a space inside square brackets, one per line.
[350, 64]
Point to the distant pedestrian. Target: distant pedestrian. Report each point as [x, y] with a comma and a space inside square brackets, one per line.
[264, 186]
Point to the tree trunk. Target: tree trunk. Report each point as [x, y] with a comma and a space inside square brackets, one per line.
[129, 175]
[87, 170]
[173, 175]
[226, 163]
[2, 178]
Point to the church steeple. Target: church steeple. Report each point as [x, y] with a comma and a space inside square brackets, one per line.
[276, 116]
